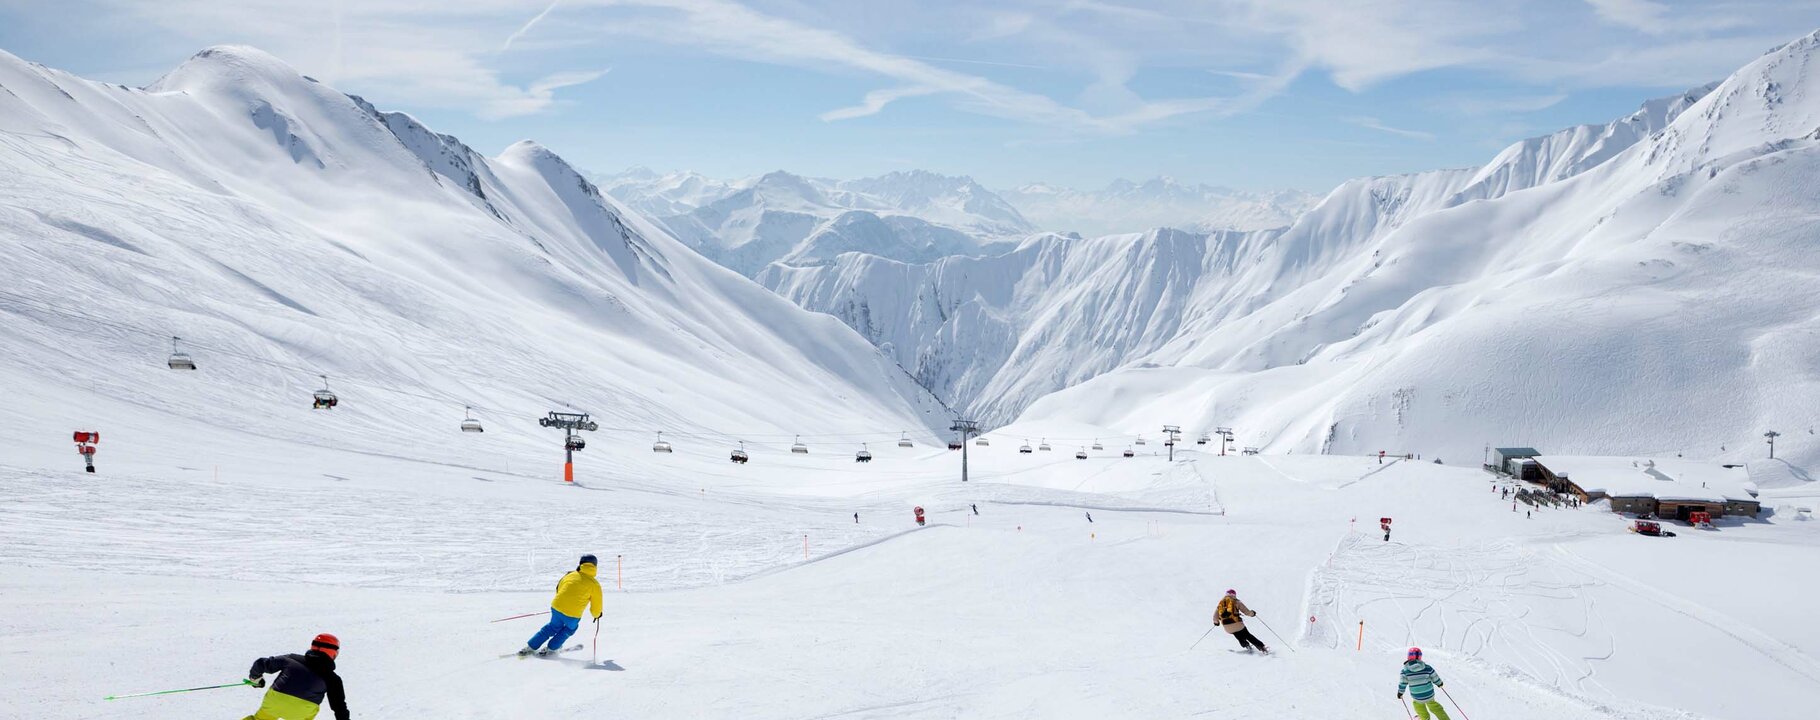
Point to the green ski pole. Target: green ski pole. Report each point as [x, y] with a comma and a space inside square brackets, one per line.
[171, 692]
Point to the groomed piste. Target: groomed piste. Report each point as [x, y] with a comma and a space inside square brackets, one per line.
[716, 606]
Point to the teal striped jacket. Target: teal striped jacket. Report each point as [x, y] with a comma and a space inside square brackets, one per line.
[1420, 679]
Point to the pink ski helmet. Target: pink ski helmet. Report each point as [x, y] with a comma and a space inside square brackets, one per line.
[1232, 592]
[1415, 653]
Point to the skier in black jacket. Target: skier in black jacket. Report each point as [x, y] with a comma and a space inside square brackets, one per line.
[303, 681]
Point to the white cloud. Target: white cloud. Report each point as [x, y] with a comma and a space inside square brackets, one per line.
[1373, 124]
[1500, 104]
[1105, 65]
[736, 30]
[520, 32]
[1642, 15]
[538, 96]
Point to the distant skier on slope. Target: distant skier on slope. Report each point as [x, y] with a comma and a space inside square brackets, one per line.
[1228, 613]
[1089, 517]
[976, 508]
[919, 516]
[576, 591]
[303, 682]
[1420, 679]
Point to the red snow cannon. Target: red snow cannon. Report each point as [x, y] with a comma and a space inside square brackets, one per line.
[85, 445]
[919, 515]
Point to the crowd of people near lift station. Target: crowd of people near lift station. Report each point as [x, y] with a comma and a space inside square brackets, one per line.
[1535, 499]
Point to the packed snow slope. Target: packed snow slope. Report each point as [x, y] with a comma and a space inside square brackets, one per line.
[287, 231]
[1078, 590]
[779, 217]
[1124, 206]
[1639, 286]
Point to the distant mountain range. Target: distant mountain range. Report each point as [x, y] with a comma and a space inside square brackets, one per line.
[1643, 285]
[779, 217]
[1128, 207]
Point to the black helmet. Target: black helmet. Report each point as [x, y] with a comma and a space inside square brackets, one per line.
[589, 560]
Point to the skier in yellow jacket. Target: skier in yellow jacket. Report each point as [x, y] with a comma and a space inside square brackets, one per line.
[577, 591]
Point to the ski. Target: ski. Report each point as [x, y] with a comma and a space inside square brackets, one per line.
[570, 648]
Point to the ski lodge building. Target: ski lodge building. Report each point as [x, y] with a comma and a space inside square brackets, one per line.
[1668, 488]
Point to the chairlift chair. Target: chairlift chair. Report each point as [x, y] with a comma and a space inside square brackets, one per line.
[905, 441]
[1140, 440]
[739, 454]
[863, 456]
[1130, 453]
[1025, 448]
[799, 448]
[469, 424]
[1044, 446]
[1203, 439]
[575, 443]
[982, 442]
[1097, 445]
[324, 399]
[180, 360]
[1082, 455]
[660, 445]
[955, 444]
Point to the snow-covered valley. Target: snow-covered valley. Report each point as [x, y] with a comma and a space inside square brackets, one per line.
[1642, 288]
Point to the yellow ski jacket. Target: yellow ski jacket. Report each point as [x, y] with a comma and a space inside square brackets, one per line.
[576, 591]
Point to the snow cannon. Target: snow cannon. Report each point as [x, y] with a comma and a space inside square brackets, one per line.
[919, 516]
[85, 445]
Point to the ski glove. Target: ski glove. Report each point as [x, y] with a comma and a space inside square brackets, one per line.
[1399, 696]
[258, 682]
[596, 619]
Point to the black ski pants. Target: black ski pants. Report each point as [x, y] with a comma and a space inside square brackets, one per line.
[1246, 639]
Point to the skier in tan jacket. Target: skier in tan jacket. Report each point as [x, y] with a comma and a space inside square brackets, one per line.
[1230, 615]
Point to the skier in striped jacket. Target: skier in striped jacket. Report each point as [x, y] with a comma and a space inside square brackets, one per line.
[1420, 680]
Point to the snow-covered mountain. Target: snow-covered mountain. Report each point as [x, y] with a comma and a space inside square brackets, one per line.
[779, 217]
[1639, 286]
[286, 230]
[1124, 206]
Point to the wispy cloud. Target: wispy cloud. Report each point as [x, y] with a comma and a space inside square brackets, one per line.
[1373, 124]
[1106, 64]
[1507, 103]
[537, 96]
[1642, 15]
[740, 31]
[525, 28]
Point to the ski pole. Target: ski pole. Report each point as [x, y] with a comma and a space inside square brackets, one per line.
[171, 692]
[515, 617]
[1203, 637]
[1273, 633]
[596, 641]
[1406, 711]
[1456, 704]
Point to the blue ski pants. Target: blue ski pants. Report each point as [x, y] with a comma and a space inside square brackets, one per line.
[556, 631]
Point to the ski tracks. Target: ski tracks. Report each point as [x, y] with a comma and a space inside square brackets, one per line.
[1775, 650]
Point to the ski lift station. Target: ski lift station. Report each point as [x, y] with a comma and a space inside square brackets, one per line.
[1669, 488]
[1510, 461]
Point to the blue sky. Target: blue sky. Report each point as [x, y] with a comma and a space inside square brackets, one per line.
[1253, 94]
